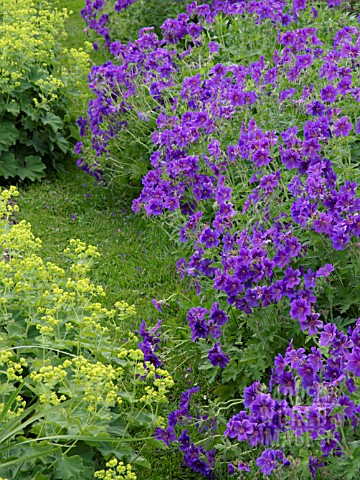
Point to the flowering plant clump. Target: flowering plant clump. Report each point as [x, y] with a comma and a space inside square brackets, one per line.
[253, 113]
[318, 403]
[75, 392]
[144, 79]
[102, 17]
[38, 81]
[116, 471]
[257, 202]
[304, 422]
[110, 113]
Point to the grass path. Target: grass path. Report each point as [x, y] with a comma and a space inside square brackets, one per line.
[137, 258]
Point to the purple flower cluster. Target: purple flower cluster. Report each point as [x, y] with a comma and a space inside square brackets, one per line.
[173, 29]
[252, 244]
[316, 399]
[258, 267]
[196, 457]
[94, 19]
[122, 4]
[113, 84]
[270, 459]
[149, 62]
[203, 324]
[316, 390]
[149, 344]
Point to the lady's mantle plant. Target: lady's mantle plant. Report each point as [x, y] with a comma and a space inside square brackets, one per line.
[38, 81]
[75, 394]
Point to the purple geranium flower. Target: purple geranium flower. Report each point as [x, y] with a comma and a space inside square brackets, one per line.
[213, 47]
[312, 324]
[300, 309]
[156, 305]
[263, 406]
[210, 238]
[243, 467]
[342, 127]
[353, 361]
[329, 93]
[250, 393]
[166, 436]
[217, 356]
[242, 429]
[328, 334]
[325, 270]
[269, 460]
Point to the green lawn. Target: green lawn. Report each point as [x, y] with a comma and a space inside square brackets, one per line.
[75, 27]
[137, 259]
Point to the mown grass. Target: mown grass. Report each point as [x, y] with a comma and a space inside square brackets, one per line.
[75, 26]
[137, 257]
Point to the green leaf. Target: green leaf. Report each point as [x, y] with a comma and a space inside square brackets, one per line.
[231, 372]
[16, 327]
[123, 452]
[40, 476]
[5, 390]
[8, 135]
[142, 418]
[227, 392]
[74, 130]
[69, 468]
[39, 143]
[117, 427]
[53, 121]
[129, 397]
[13, 108]
[62, 143]
[355, 153]
[8, 165]
[33, 168]
[26, 105]
[141, 461]
[26, 458]
[212, 373]
[206, 366]
[220, 446]
[2, 105]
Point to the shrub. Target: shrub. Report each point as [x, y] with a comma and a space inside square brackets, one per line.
[78, 395]
[38, 81]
